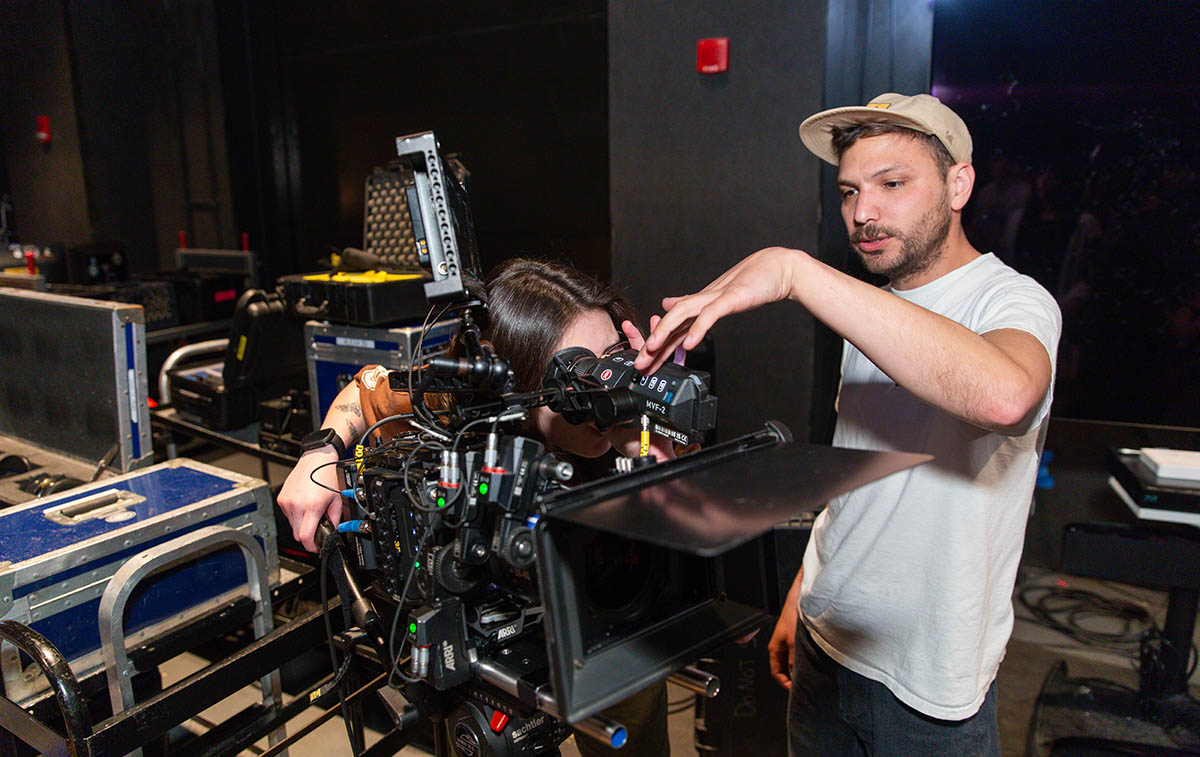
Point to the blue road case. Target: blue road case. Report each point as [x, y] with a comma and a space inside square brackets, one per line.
[57, 555]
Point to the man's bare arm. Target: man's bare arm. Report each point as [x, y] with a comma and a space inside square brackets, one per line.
[993, 381]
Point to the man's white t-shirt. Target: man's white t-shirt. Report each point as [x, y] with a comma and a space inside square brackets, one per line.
[908, 580]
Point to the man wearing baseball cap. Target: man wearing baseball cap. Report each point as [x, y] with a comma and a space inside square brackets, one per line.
[896, 624]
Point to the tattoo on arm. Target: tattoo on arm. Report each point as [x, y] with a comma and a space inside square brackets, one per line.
[353, 412]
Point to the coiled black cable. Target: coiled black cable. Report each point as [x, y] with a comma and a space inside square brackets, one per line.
[1067, 610]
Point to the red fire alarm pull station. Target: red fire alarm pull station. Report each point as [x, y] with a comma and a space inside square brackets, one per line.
[712, 55]
[43, 130]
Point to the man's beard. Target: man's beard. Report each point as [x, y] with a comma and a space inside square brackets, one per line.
[920, 247]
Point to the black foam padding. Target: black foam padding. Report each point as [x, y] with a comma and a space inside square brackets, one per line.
[157, 299]
[387, 224]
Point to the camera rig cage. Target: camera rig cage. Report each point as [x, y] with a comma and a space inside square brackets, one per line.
[519, 606]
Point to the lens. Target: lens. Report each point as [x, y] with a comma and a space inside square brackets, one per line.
[613, 407]
[615, 575]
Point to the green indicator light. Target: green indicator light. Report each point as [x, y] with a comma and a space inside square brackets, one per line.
[412, 627]
[483, 488]
[417, 564]
[441, 502]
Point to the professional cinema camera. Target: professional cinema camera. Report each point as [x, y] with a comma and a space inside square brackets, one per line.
[511, 606]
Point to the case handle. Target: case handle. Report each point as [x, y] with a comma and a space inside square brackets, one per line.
[99, 505]
[305, 310]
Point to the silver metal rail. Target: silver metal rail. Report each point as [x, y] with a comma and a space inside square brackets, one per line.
[174, 359]
[178, 356]
[182, 549]
[697, 681]
[608, 731]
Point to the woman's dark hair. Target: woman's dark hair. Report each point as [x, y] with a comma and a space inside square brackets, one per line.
[531, 304]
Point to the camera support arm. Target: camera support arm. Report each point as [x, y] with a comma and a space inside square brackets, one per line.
[606, 730]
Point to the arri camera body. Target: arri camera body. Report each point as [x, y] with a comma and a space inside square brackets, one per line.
[514, 604]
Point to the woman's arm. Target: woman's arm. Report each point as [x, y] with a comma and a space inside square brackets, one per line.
[312, 488]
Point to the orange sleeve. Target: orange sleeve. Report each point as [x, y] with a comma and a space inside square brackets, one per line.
[378, 401]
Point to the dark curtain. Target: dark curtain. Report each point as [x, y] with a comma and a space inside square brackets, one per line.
[873, 46]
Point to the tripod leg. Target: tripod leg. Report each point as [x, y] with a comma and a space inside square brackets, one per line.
[441, 738]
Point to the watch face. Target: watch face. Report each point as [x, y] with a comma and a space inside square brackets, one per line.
[318, 439]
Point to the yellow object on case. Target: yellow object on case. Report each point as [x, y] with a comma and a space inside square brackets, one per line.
[365, 277]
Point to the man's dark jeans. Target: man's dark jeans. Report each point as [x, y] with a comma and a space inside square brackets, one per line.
[834, 711]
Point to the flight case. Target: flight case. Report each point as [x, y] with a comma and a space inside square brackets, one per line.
[58, 553]
[372, 298]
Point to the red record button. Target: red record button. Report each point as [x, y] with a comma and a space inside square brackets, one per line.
[499, 720]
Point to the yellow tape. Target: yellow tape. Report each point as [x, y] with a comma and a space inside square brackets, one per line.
[359, 453]
[241, 348]
[365, 277]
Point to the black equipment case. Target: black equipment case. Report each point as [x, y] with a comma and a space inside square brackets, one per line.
[264, 358]
[371, 298]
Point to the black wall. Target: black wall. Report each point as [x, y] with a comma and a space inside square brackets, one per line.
[706, 169]
[518, 89]
[149, 105]
[50, 201]
[138, 150]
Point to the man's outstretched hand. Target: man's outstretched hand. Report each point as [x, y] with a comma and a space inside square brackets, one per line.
[764, 277]
[633, 334]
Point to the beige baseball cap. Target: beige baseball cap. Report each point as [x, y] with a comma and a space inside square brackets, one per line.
[924, 113]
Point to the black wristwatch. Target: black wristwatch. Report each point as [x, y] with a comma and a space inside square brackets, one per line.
[318, 439]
